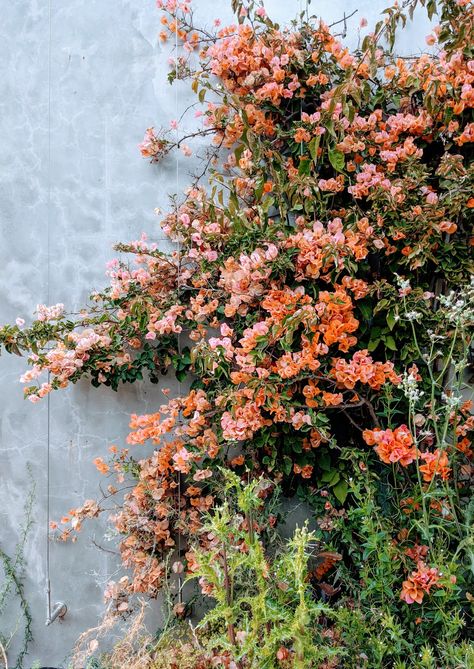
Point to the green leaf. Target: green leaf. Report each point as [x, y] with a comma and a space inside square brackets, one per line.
[304, 166]
[335, 479]
[382, 304]
[391, 320]
[329, 125]
[238, 152]
[366, 310]
[332, 477]
[373, 343]
[340, 491]
[390, 343]
[181, 374]
[336, 158]
[296, 446]
[287, 465]
[313, 147]
[325, 461]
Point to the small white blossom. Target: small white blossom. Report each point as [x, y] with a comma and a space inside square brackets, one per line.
[459, 307]
[410, 388]
[452, 401]
[435, 337]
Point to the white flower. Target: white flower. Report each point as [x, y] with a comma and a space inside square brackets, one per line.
[410, 388]
[452, 401]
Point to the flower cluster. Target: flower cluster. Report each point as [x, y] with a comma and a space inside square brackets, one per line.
[317, 295]
[398, 446]
[392, 445]
[49, 313]
[153, 147]
[419, 583]
[363, 369]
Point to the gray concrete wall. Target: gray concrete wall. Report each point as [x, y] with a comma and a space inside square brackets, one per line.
[80, 82]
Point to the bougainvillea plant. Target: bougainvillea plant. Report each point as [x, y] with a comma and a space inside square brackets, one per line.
[321, 280]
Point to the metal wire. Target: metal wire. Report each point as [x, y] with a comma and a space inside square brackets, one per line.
[60, 608]
[48, 276]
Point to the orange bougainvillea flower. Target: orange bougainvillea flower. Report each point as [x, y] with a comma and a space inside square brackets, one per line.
[332, 399]
[363, 369]
[435, 464]
[102, 466]
[419, 583]
[464, 445]
[302, 135]
[417, 552]
[392, 445]
[305, 471]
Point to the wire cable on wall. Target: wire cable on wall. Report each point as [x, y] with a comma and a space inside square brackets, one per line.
[48, 272]
[59, 609]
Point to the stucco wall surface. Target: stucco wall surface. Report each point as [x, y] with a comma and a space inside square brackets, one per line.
[80, 82]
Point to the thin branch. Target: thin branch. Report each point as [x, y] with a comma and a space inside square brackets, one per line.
[4, 655]
[101, 548]
[344, 19]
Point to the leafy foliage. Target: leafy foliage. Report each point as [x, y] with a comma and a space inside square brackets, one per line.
[322, 278]
[12, 588]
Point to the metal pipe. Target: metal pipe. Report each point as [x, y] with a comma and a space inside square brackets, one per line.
[59, 611]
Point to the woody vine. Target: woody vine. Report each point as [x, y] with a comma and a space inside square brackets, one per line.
[323, 278]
